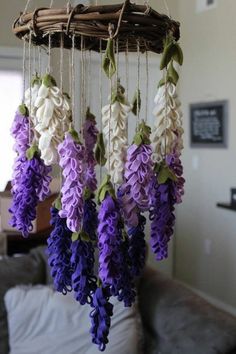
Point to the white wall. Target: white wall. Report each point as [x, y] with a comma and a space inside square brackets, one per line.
[209, 73]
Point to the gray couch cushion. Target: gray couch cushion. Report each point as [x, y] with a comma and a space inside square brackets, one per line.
[177, 321]
[27, 269]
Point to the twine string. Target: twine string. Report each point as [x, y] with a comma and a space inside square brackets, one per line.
[61, 60]
[127, 79]
[49, 53]
[100, 98]
[138, 89]
[24, 69]
[147, 85]
[51, 3]
[26, 7]
[39, 60]
[167, 8]
[117, 61]
[165, 136]
[73, 78]
[89, 77]
[30, 87]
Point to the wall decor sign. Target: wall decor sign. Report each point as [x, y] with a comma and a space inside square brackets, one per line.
[209, 124]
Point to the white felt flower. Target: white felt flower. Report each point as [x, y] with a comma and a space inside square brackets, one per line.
[53, 117]
[114, 119]
[167, 132]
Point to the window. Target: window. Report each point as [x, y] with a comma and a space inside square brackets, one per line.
[11, 95]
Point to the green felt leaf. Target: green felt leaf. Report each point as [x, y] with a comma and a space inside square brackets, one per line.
[87, 193]
[109, 62]
[118, 93]
[100, 151]
[142, 135]
[165, 173]
[57, 202]
[166, 55]
[74, 135]
[172, 74]
[49, 81]
[23, 110]
[31, 152]
[36, 80]
[136, 102]
[84, 236]
[75, 236]
[178, 54]
[105, 188]
[89, 115]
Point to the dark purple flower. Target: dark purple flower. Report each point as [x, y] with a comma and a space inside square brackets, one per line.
[82, 262]
[109, 242]
[90, 218]
[162, 216]
[71, 154]
[59, 252]
[175, 164]
[101, 317]
[137, 247]
[90, 133]
[25, 198]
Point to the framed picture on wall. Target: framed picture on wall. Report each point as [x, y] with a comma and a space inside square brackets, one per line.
[209, 124]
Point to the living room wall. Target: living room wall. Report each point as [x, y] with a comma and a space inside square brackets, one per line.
[205, 234]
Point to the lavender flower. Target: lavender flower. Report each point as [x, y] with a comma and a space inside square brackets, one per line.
[128, 206]
[83, 279]
[90, 133]
[139, 168]
[162, 217]
[90, 218]
[25, 198]
[174, 162]
[44, 188]
[137, 247]
[71, 154]
[101, 317]
[59, 251]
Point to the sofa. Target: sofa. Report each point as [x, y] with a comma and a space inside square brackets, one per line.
[173, 319]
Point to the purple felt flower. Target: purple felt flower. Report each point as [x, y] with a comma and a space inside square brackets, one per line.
[25, 198]
[162, 217]
[101, 317]
[139, 169]
[44, 188]
[90, 218]
[90, 133]
[20, 133]
[137, 247]
[83, 279]
[128, 206]
[109, 242]
[59, 252]
[71, 154]
[175, 164]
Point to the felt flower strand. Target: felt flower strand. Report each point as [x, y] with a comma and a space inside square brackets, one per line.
[90, 133]
[53, 117]
[139, 168]
[59, 251]
[114, 118]
[71, 153]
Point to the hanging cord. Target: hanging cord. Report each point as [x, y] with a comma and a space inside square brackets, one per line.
[49, 53]
[61, 60]
[34, 62]
[81, 83]
[127, 79]
[89, 78]
[51, 4]
[26, 7]
[138, 103]
[147, 86]
[100, 98]
[39, 60]
[167, 8]
[85, 76]
[24, 69]
[73, 79]
[117, 61]
[165, 111]
[30, 87]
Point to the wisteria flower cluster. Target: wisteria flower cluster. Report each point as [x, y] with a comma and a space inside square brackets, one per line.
[71, 153]
[114, 118]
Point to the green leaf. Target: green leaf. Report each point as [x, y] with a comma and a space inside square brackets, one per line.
[172, 74]
[49, 81]
[165, 173]
[57, 202]
[109, 62]
[89, 115]
[75, 236]
[74, 135]
[36, 80]
[136, 102]
[142, 135]
[167, 55]
[84, 236]
[23, 110]
[118, 93]
[100, 151]
[31, 152]
[105, 188]
[178, 54]
[87, 193]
